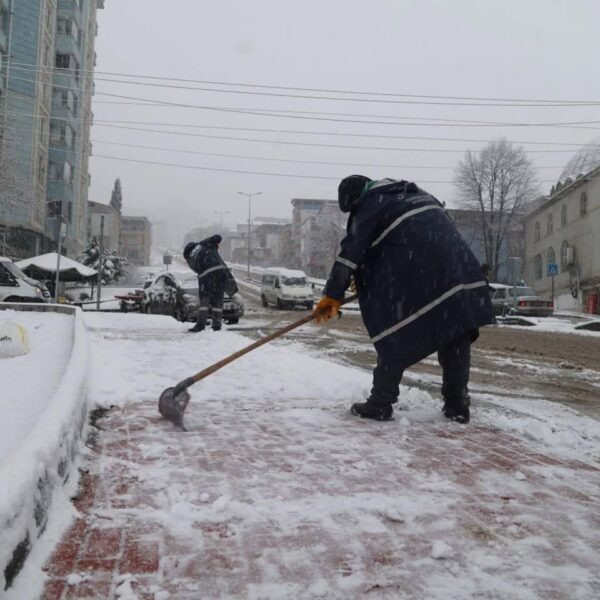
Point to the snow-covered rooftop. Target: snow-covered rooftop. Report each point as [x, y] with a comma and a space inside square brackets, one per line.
[586, 159]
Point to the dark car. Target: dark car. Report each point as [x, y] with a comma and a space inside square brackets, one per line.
[176, 295]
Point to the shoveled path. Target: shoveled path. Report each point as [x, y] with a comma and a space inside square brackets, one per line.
[275, 496]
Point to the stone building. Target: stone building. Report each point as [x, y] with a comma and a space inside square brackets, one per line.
[112, 224]
[565, 230]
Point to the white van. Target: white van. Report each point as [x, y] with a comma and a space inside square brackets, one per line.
[15, 286]
[286, 288]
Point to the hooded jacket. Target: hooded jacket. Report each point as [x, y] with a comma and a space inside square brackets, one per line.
[419, 285]
[203, 257]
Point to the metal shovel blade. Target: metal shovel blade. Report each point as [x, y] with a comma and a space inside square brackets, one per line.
[172, 405]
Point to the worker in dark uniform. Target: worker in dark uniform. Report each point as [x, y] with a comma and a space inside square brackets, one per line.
[214, 278]
[420, 289]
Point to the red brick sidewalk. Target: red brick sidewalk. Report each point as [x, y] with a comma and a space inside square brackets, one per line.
[262, 505]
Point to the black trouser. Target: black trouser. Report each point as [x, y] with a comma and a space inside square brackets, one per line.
[455, 360]
[211, 297]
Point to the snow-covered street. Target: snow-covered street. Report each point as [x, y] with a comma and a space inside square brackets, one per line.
[276, 491]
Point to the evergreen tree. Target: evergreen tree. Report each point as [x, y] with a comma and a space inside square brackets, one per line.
[116, 198]
[113, 265]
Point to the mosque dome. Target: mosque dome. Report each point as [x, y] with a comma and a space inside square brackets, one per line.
[585, 160]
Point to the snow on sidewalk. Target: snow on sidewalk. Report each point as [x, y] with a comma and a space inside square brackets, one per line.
[278, 492]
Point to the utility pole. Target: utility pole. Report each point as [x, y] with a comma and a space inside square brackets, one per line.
[221, 213]
[100, 257]
[61, 231]
[249, 223]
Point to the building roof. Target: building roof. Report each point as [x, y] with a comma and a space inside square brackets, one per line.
[99, 208]
[585, 160]
[301, 201]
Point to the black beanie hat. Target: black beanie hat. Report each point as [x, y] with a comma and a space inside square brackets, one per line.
[350, 190]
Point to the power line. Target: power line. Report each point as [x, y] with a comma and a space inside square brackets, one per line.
[299, 132]
[286, 160]
[310, 144]
[27, 66]
[202, 168]
[302, 114]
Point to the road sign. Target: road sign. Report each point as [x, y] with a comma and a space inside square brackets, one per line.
[167, 259]
[552, 269]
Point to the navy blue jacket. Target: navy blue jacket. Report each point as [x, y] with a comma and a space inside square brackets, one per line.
[213, 274]
[419, 285]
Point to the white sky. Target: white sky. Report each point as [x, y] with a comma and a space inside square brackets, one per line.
[483, 48]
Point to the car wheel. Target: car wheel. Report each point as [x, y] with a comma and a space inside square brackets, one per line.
[279, 304]
[233, 321]
[264, 300]
[309, 305]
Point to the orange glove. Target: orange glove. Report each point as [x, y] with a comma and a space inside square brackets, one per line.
[326, 309]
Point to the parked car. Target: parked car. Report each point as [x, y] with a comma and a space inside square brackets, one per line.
[286, 288]
[15, 286]
[176, 295]
[527, 302]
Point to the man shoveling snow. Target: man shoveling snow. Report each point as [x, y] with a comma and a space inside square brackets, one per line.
[420, 289]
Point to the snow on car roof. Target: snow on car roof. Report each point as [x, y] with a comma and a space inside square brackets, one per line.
[286, 272]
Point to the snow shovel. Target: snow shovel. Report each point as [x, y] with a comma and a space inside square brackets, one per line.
[174, 400]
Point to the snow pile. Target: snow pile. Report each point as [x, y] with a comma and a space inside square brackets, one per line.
[14, 340]
[44, 406]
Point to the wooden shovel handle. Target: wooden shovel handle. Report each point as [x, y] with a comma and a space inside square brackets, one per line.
[269, 338]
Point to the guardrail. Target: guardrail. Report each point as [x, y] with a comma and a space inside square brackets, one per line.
[256, 273]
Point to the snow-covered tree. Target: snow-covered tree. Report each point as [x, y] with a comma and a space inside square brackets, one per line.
[497, 182]
[113, 265]
[116, 198]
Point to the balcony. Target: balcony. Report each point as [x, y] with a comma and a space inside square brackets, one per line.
[67, 44]
[64, 114]
[70, 8]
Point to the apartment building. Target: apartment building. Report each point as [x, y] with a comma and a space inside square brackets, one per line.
[47, 59]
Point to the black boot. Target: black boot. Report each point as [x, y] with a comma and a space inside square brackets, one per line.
[369, 410]
[457, 410]
[196, 328]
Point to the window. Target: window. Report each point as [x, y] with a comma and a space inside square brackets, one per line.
[550, 224]
[62, 61]
[55, 171]
[61, 134]
[564, 256]
[583, 205]
[550, 256]
[538, 231]
[501, 294]
[67, 172]
[537, 266]
[54, 208]
[563, 215]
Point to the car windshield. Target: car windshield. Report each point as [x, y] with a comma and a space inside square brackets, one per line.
[297, 281]
[521, 291]
[14, 270]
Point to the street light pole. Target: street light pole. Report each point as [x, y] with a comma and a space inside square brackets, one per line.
[249, 223]
[61, 232]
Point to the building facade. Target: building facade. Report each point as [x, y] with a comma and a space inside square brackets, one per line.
[136, 240]
[46, 85]
[565, 231]
[112, 225]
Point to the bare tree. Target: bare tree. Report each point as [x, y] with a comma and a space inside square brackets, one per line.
[497, 181]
